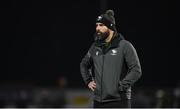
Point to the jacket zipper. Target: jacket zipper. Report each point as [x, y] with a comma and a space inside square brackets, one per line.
[102, 76]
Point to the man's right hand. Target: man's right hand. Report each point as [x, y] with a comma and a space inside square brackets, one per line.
[92, 85]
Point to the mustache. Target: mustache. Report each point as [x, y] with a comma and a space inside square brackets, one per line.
[98, 32]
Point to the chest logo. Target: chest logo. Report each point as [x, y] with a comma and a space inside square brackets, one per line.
[114, 52]
[97, 53]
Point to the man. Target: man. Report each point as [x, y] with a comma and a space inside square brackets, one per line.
[111, 65]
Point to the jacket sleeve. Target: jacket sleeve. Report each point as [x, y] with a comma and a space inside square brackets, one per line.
[134, 67]
[85, 67]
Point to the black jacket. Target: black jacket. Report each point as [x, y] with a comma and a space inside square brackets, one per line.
[114, 69]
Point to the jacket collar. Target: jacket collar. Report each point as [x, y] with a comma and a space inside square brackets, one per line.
[117, 37]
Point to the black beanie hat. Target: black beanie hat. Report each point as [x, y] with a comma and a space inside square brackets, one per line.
[107, 19]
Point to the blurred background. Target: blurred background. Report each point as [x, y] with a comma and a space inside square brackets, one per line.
[46, 41]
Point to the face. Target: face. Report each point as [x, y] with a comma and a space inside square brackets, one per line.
[102, 31]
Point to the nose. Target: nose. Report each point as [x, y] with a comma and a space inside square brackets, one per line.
[97, 28]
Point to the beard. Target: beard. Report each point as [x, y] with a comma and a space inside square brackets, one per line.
[101, 36]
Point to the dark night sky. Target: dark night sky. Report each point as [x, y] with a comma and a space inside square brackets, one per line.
[47, 39]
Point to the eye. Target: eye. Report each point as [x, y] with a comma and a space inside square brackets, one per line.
[101, 24]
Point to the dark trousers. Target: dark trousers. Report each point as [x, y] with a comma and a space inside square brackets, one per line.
[113, 104]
